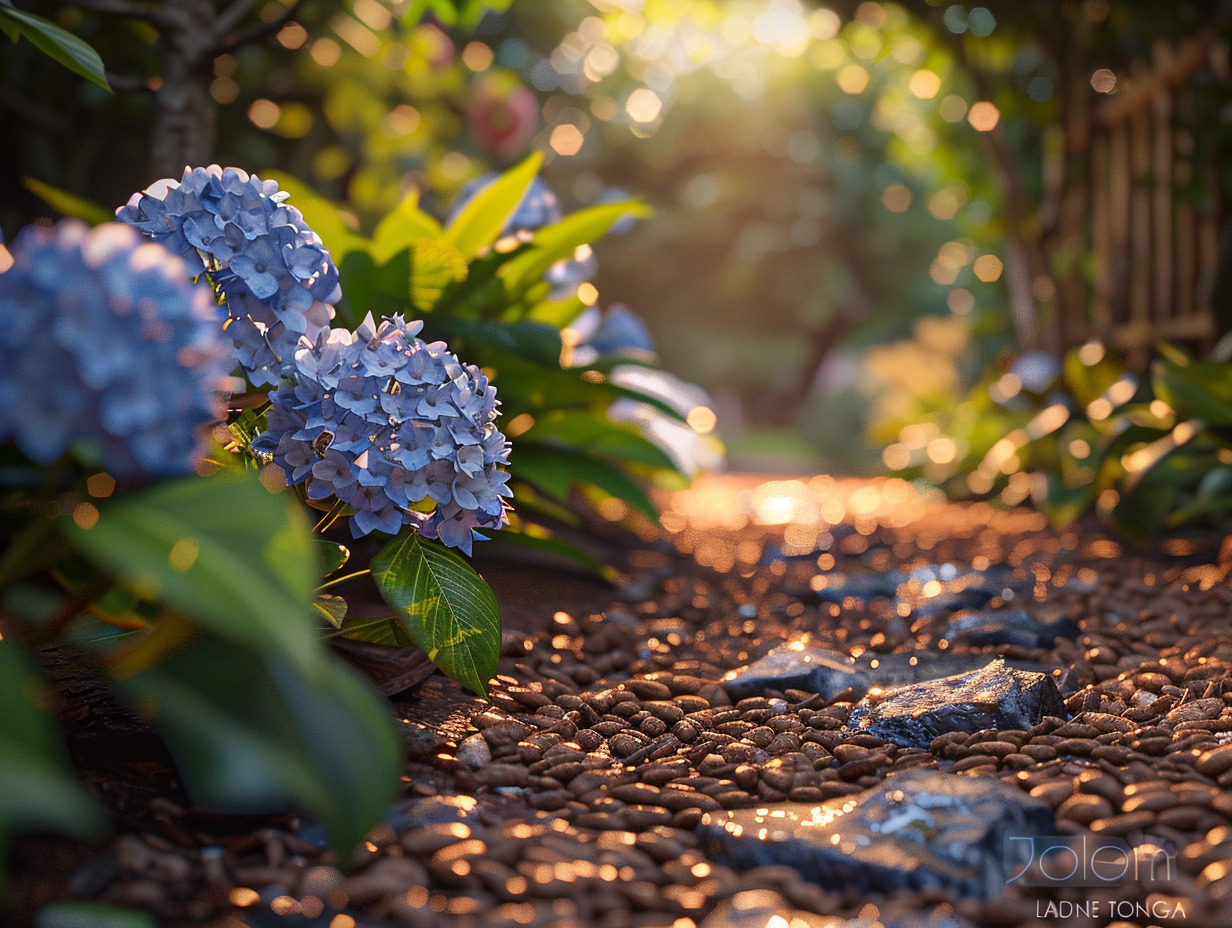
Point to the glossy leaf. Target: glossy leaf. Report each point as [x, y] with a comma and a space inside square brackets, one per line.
[596, 433]
[250, 733]
[235, 557]
[57, 43]
[401, 228]
[532, 341]
[333, 556]
[555, 472]
[445, 607]
[331, 608]
[38, 789]
[483, 218]
[560, 240]
[375, 629]
[434, 265]
[1197, 390]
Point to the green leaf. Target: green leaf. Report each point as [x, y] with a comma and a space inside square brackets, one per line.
[1197, 390]
[405, 225]
[68, 204]
[236, 558]
[68, 913]
[445, 607]
[331, 608]
[333, 556]
[250, 733]
[371, 288]
[1141, 513]
[38, 789]
[375, 629]
[532, 341]
[561, 239]
[434, 265]
[1087, 382]
[480, 222]
[555, 471]
[596, 433]
[55, 42]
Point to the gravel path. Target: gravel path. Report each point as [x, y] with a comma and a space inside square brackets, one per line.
[572, 795]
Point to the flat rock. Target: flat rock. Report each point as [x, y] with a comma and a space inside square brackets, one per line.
[799, 665]
[1010, 627]
[920, 830]
[995, 696]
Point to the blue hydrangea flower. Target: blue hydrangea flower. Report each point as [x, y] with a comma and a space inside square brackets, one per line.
[110, 351]
[400, 430]
[539, 207]
[275, 277]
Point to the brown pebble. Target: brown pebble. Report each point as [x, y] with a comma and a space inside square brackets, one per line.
[648, 689]
[1085, 809]
[1215, 762]
[1124, 823]
[1053, 792]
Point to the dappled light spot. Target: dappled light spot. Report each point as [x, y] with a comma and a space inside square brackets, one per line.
[100, 485]
[263, 113]
[984, 116]
[566, 140]
[85, 515]
[988, 268]
[924, 84]
[1103, 81]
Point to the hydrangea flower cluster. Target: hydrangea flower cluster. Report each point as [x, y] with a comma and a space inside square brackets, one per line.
[539, 207]
[108, 345]
[275, 276]
[399, 429]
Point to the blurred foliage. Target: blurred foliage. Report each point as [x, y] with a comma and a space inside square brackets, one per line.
[1147, 453]
[169, 595]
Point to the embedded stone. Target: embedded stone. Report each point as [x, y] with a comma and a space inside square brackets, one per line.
[1010, 627]
[921, 830]
[996, 696]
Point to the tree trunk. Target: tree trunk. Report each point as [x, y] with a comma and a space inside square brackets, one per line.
[185, 115]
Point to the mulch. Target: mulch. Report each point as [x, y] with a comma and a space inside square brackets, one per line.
[576, 786]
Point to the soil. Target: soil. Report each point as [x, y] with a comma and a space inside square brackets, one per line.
[571, 795]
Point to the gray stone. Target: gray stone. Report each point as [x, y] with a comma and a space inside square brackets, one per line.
[803, 666]
[1010, 627]
[995, 696]
[920, 830]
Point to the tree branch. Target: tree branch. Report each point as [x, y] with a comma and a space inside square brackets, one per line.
[125, 8]
[254, 33]
[229, 18]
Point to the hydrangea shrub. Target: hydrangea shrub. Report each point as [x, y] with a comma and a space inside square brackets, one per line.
[110, 349]
[397, 428]
[275, 276]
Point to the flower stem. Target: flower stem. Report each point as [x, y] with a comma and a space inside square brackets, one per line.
[337, 580]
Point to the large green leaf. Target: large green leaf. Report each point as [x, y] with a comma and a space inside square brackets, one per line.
[37, 787]
[554, 471]
[250, 733]
[596, 433]
[1087, 382]
[401, 228]
[434, 265]
[57, 43]
[559, 240]
[481, 220]
[537, 342]
[381, 629]
[236, 558]
[446, 608]
[1197, 390]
